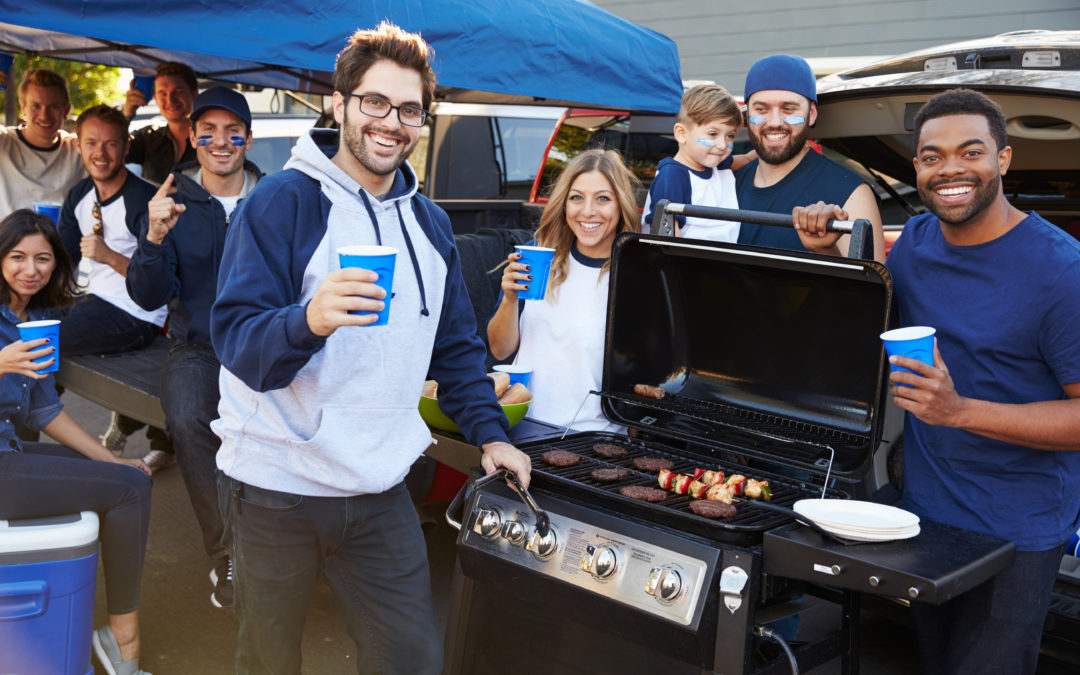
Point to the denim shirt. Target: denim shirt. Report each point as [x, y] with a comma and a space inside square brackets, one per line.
[24, 401]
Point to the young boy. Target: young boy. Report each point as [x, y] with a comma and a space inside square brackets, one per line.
[701, 172]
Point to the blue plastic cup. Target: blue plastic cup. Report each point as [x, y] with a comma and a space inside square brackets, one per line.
[1073, 547]
[35, 330]
[379, 259]
[5, 66]
[51, 209]
[538, 258]
[914, 342]
[145, 84]
[517, 373]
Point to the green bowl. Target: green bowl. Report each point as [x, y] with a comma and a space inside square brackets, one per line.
[430, 412]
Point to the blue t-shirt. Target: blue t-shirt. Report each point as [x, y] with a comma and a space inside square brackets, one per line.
[814, 179]
[1007, 314]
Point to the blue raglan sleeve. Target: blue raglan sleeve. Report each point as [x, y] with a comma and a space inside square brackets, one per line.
[670, 184]
[466, 393]
[258, 325]
[152, 280]
[68, 227]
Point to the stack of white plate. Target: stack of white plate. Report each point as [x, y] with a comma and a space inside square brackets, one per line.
[858, 520]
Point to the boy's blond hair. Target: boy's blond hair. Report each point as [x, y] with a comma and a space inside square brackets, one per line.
[707, 102]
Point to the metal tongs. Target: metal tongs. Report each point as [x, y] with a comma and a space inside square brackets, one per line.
[543, 523]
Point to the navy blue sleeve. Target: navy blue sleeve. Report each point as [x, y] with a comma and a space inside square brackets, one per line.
[466, 393]
[152, 280]
[258, 325]
[137, 197]
[671, 184]
[68, 226]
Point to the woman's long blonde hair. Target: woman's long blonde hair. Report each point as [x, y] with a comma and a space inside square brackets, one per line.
[554, 232]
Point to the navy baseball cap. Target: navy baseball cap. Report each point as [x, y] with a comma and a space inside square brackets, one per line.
[780, 71]
[222, 98]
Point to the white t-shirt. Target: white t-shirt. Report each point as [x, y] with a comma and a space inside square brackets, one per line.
[562, 340]
[29, 174]
[229, 203]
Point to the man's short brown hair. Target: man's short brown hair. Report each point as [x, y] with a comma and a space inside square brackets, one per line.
[387, 41]
[707, 102]
[106, 114]
[43, 77]
[181, 70]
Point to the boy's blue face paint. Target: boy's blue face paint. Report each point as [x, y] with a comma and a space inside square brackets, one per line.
[203, 141]
[730, 147]
[793, 120]
[704, 141]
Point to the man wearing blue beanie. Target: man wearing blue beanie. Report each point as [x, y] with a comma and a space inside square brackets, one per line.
[781, 106]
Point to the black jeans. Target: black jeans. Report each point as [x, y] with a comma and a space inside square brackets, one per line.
[47, 479]
[96, 326]
[189, 397]
[371, 550]
[994, 628]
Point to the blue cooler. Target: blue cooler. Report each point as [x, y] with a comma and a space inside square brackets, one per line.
[48, 569]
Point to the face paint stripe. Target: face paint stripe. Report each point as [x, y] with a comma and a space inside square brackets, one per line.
[758, 120]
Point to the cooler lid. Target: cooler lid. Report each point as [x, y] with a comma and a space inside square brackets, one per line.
[763, 352]
[40, 534]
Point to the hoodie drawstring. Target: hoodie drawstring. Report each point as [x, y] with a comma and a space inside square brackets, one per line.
[415, 263]
[408, 244]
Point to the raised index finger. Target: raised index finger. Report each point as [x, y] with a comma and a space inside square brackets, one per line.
[166, 188]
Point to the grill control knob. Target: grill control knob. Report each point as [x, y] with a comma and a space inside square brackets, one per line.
[600, 561]
[664, 584]
[542, 547]
[487, 523]
[514, 532]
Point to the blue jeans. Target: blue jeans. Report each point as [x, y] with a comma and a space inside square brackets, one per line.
[47, 479]
[994, 628]
[96, 326]
[189, 397]
[371, 550]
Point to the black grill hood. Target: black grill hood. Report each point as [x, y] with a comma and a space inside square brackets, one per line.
[761, 352]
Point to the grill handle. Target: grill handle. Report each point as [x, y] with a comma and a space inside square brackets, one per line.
[543, 523]
[862, 239]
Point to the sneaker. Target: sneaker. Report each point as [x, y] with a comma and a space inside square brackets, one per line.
[114, 439]
[222, 578]
[107, 652]
[157, 459]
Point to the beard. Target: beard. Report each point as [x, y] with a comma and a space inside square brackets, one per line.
[983, 195]
[106, 175]
[355, 137]
[778, 155]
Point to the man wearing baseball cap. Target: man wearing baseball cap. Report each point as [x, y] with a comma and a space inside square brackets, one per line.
[781, 106]
[177, 260]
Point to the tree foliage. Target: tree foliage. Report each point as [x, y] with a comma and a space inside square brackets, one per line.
[88, 83]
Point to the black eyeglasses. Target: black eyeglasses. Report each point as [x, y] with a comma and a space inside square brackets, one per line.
[378, 107]
[96, 212]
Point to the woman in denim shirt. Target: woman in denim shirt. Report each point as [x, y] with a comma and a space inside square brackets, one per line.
[47, 479]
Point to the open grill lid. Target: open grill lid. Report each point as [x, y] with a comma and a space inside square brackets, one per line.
[761, 352]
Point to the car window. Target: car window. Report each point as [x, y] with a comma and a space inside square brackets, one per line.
[271, 153]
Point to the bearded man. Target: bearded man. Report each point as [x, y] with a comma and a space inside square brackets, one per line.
[781, 106]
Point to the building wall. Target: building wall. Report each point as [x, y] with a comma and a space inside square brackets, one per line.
[718, 40]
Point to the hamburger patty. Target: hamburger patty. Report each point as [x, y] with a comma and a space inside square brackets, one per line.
[643, 493]
[560, 458]
[609, 475]
[712, 509]
[609, 450]
[653, 463]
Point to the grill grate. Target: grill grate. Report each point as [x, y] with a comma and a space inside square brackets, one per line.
[676, 508]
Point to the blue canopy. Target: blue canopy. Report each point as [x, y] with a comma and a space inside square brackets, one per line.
[557, 52]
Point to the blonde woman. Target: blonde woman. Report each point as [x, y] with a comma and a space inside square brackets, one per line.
[562, 336]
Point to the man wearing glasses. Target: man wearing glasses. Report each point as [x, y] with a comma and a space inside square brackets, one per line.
[100, 222]
[318, 413]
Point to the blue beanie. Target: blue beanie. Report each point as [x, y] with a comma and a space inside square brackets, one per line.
[783, 72]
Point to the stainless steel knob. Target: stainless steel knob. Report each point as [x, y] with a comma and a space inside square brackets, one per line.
[542, 547]
[874, 581]
[600, 561]
[913, 592]
[487, 523]
[514, 532]
[664, 584]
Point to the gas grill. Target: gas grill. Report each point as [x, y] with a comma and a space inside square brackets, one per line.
[771, 368]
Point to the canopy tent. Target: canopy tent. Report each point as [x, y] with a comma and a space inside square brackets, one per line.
[557, 52]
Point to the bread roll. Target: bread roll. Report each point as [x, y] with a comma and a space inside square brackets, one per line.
[430, 389]
[502, 383]
[516, 394]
